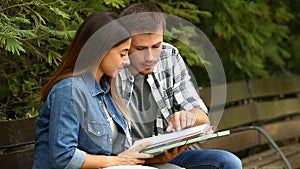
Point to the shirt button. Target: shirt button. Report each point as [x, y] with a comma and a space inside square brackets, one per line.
[98, 133]
[114, 115]
[110, 140]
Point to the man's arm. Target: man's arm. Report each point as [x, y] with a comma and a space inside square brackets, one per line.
[186, 98]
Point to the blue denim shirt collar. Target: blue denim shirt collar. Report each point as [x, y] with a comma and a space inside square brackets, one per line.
[94, 86]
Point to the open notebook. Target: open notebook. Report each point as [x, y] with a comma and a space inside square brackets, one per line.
[167, 141]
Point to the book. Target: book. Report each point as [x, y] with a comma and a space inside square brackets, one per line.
[166, 141]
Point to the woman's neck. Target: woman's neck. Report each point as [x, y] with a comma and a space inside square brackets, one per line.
[98, 75]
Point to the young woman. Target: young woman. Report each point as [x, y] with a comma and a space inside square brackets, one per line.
[83, 122]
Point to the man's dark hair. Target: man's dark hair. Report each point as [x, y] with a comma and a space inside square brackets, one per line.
[143, 18]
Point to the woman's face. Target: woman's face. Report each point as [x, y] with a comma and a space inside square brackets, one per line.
[115, 60]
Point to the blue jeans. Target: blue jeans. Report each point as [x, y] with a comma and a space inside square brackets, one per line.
[207, 159]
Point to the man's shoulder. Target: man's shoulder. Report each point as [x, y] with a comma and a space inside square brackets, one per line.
[168, 46]
[168, 51]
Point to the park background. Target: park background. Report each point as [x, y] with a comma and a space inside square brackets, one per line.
[254, 39]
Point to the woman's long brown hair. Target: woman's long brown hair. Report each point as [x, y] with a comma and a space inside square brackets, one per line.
[78, 60]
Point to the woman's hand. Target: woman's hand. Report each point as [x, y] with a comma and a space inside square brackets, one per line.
[133, 156]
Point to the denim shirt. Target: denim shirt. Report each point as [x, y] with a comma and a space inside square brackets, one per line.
[72, 123]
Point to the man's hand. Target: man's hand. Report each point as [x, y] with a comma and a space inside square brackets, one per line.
[180, 120]
[167, 155]
[186, 119]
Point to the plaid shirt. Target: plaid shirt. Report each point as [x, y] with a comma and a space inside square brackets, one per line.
[170, 85]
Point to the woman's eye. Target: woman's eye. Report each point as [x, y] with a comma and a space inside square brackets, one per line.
[123, 54]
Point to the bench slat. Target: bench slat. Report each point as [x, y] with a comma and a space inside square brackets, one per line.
[17, 143]
[271, 158]
[17, 132]
[273, 86]
[273, 109]
[283, 130]
[17, 160]
[234, 142]
[237, 116]
[236, 91]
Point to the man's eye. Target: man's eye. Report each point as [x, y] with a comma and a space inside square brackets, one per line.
[156, 46]
[140, 48]
[123, 54]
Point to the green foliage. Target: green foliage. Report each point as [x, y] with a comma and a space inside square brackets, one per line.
[185, 34]
[250, 36]
[116, 3]
[33, 36]
[293, 45]
[183, 9]
[10, 35]
[184, 40]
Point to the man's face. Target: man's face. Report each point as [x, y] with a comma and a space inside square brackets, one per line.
[145, 52]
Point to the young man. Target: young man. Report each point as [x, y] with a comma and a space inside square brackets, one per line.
[158, 90]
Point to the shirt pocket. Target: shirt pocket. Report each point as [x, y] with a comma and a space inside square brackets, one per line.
[99, 133]
[98, 128]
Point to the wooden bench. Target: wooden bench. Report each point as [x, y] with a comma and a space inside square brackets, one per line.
[272, 105]
[17, 143]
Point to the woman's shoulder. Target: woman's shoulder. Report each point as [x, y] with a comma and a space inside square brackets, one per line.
[69, 83]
